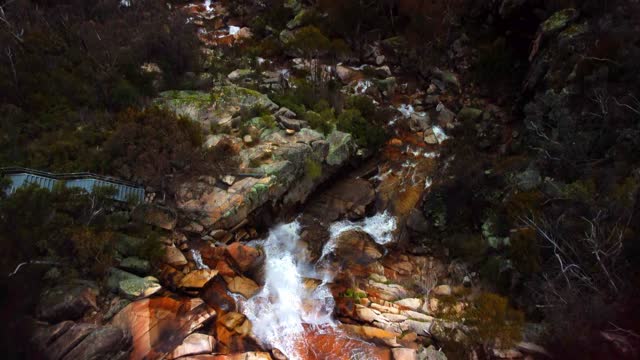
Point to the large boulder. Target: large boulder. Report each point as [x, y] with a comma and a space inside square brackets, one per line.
[192, 104]
[135, 265]
[349, 197]
[247, 258]
[341, 148]
[357, 247]
[159, 216]
[158, 325]
[242, 285]
[347, 74]
[373, 334]
[194, 344]
[174, 257]
[67, 302]
[223, 209]
[132, 286]
[215, 294]
[197, 279]
[70, 341]
[216, 107]
[404, 354]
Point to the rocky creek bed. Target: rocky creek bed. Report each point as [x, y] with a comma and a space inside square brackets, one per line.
[299, 253]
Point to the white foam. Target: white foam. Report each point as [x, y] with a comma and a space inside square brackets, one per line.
[380, 226]
[439, 134]
[280, 310]
[197, 258]
[406, 110]
[427, 183]
[362, 86]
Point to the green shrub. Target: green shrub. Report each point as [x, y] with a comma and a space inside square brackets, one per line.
[310, 41]
[493, 321]
[363, 104]
[354, 294]
[152, 143]
[466, 245]
[364, 133]
[323, 122]
[257, 110]
[581, 190]
[65, 223]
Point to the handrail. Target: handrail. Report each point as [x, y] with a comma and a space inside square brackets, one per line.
[84, 175]
[67, 176]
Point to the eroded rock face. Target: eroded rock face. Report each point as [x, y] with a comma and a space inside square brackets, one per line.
[216, 296]
[70, 341]
[159, 325]
[357, 247]
[194, 344]
[223, 209]
[242, 285]
[215, 107]
[197, 279]
[247, 258]
[67, 302]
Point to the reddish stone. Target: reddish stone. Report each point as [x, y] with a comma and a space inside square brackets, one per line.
[247, 258]
[216, 296]
[158, 325]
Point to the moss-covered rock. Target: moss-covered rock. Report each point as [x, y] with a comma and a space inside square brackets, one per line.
[341, 146]
[136, 265]
[559, 21]
[469, 114]
[192, 104]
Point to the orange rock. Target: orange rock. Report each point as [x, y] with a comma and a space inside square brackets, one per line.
[215, 295]
[231, 320]
[245, 257]
[224, 269]
[197, 279]
[373, 334]
[160, 324]
[194, 344]
[242, 285]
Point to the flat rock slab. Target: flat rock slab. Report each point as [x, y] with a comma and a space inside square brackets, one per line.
[159, 325]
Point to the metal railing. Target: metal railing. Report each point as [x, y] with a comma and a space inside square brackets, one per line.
[125, 190]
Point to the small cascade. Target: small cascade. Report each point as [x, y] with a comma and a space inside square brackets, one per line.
[380, 226]
[286, 306]
[197, 258]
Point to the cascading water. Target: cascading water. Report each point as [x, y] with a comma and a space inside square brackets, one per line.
[380, 226]
[285, 307]
[293, 311]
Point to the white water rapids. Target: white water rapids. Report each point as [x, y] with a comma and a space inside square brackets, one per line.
[284, 304]
[283, 308]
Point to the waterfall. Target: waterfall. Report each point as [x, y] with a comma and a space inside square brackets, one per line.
[285, 307]
[380, 226]
[197, 258]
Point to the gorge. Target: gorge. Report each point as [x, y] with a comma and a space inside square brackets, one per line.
[323, 180]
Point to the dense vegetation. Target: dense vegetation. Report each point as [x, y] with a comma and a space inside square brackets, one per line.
[69, 67]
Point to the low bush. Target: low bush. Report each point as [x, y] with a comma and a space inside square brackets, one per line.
[365, 133]
[494, 321]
